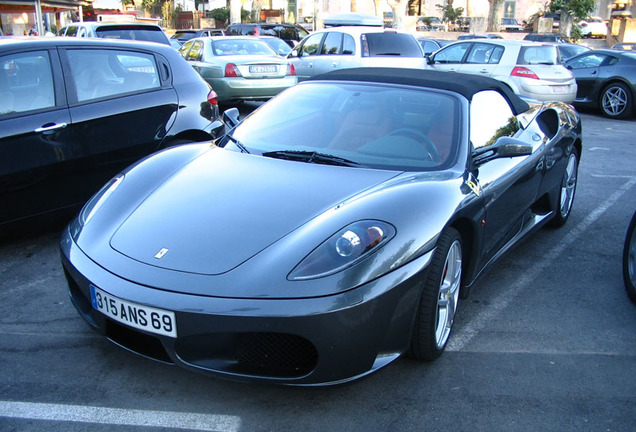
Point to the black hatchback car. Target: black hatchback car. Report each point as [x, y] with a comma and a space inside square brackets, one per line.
[75, 111]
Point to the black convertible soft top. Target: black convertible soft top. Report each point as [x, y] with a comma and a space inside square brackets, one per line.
[464, 84]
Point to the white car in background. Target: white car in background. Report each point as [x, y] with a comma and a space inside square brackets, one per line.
[355, 46]
[532, 70]
[593, 27]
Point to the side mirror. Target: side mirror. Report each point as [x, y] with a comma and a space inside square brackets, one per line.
[231, 117]
[502, 148]
[430, 59]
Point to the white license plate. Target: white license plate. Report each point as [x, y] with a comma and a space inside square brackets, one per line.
[264, 69]
[559, 89]
[146, 318]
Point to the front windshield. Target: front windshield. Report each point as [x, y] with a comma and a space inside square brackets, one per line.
[370, 125]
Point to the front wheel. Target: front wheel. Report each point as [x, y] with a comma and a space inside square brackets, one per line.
[567, 190]
[439, 299]
[629, 260]
[616, 101]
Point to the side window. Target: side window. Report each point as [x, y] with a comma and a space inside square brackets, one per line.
[26, 82]
[71, 31]
[490, 118]
[310, 47]
[195, 52]
[480, 53]
[588, 61]
[332, 43]
[184, 49]
[348, 44]
[107, 73]
[452, 54]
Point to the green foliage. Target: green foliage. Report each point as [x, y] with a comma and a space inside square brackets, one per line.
[221, 14]
[579, 9]
[449, 13]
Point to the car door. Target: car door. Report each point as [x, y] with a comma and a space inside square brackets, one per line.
[481, 59]
[122, 105]
[587, 72]
[449, 58]
[305, 57]
[509, 186]
[34, 119]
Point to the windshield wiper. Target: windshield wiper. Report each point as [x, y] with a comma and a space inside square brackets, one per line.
[238, 144]
[311, 157]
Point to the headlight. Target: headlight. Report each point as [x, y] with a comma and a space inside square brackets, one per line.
[98, 199]
[345, 248]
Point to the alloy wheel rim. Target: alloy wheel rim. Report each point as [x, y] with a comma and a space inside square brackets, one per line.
[569, 186]
[614, 100]
[448, 294]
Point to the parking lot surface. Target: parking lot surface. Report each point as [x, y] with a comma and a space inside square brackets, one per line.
[546, 342]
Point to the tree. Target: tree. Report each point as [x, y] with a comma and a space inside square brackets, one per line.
[571, 10]
[449, 13]
[494, 15]
[399, 12]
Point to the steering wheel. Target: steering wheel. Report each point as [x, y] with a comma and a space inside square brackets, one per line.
[419, 137]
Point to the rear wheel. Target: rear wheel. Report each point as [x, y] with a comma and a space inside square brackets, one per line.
[616, 101]
[629, 260]
[567, 190]
[439, 299]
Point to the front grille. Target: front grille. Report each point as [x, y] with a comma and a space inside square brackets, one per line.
[276, 355]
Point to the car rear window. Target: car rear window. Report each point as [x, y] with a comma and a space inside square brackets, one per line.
[538, 55]
[392, 44]
[139, 33]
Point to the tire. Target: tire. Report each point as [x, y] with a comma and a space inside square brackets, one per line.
[629, 260]
[439, 299]
[616, 101]
[567, 191]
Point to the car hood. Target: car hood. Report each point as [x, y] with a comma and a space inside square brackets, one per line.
[225, 207]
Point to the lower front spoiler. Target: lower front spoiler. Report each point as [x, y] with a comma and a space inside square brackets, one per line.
[312, 341]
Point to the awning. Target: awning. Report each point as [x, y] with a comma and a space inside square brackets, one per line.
[40, 6]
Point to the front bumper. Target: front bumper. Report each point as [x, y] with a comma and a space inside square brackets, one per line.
[311, 341]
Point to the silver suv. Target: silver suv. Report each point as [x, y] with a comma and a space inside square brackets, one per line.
[355, 46]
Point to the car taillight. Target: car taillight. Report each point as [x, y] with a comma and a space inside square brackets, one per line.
[213, 98]
[291, 70]
[231, 70]
[523, 72]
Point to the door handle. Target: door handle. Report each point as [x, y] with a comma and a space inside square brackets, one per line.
[50, 127]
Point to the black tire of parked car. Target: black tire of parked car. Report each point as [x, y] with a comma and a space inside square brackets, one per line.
[568, 186]
[616, 101]
[425, 343]
[629, 260]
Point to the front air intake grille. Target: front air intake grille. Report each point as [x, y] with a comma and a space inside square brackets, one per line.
[137, 342]
[275, 354]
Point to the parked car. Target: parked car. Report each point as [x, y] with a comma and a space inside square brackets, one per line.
[530, 69]
[321, 276]
[479, 36]
[290, 33]
[593, 27]
[277, 44]
[547, 37]
[349, 47]
[629, 260]
[625, 46]
[133, 31]
[185, 35]
[74, 112]
[569, 50]
[510, 25]
[606, 80]
[239, 68]
[430, 45]
[430, 24]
